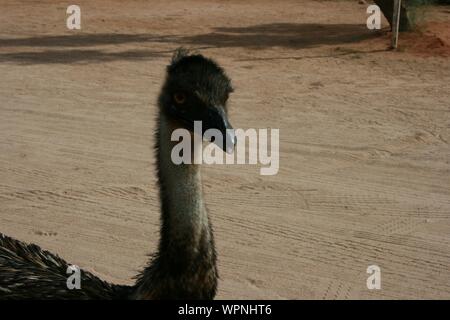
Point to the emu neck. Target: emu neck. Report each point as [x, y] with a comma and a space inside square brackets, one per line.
[185, 264]
[183, 210]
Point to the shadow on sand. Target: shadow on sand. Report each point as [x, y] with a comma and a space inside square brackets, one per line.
[288, 35]
[84, 48]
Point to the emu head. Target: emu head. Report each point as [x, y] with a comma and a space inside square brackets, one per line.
[197, 89]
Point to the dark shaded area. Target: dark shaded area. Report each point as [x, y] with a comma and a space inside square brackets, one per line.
[387, 7]
[59, 49]
[82, 40]
[289, 35]
[78, 56]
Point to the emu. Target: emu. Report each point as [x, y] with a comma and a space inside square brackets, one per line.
[184, 267]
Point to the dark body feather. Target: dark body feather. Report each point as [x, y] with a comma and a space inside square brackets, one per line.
[28, 272]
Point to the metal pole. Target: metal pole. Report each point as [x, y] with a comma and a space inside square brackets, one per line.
[396, 23]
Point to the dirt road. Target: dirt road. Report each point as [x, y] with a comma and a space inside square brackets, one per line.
[364, 153]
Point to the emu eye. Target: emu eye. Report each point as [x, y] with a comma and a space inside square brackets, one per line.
[179, 97]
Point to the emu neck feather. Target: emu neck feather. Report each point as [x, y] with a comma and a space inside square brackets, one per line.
[181, 190]
[185, 265]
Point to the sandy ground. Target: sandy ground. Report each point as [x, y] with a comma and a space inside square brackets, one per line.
[364, 153]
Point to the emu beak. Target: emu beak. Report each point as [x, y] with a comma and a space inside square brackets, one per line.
[230, 140]
[217, 119]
